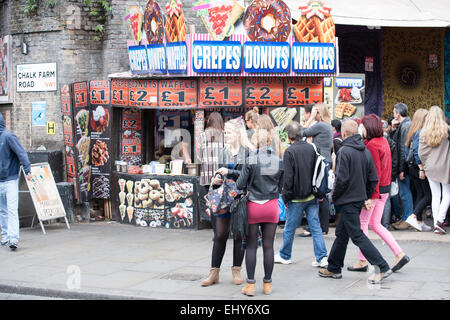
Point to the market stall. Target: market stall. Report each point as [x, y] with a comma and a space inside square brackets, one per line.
[143, 124]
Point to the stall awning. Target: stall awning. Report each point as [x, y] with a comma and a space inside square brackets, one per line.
[385, 13]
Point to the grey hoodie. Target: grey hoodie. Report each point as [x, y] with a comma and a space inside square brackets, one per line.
[12, 155]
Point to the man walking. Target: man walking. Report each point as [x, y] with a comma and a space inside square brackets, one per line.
[356, 179]
[401, 124]
[298, 161]
[12, 155]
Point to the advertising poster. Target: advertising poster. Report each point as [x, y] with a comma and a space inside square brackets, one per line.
[142, 93]
[68, 131]
[303, 91]
[38, 113]
[131, 149]
[119, 92]
[348, 92]
[178, 93]
[220, 92]
[100, 133]
[264, 92]
[82, 138]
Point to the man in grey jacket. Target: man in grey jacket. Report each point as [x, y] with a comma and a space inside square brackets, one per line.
[401, 124]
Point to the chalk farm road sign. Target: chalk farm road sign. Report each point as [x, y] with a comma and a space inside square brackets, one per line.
[36, 77]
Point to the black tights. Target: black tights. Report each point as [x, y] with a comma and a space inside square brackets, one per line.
[222, 226]
[268, 236]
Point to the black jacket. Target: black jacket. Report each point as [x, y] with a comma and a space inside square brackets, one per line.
[298, 162]
[262, 176]
[356, 175]
[394, 157]
[399, 136]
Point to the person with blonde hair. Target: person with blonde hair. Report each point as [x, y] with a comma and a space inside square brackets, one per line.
[434, 152]
[322, 137]
[261, 176]
[251, 119]
[416, 172]
[265, 122]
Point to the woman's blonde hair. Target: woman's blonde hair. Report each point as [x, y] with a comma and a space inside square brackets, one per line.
[435, 128]
[261, 138]
[237, 127]
[252, 115]
[324, 112]
[416, 124]
[264, 122]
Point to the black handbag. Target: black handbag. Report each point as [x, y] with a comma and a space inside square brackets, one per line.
[239, 213]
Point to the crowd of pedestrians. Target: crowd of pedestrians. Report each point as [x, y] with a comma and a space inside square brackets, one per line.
[387, 173]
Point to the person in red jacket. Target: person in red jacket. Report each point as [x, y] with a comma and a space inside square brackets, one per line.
[372, 129]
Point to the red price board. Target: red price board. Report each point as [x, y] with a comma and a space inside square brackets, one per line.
[178, 93]
[119, 92]
[264, 92]
[68, 137]
[80, 93]
[131, 147]
[302, 91]
[66, 105]
[143, 93]
[99, 92]
[220, 92]
[70, 167]
[131, 121]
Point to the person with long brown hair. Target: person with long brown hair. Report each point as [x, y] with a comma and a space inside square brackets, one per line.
[251, 120]
[264, 122]
[434, 152]
[416, 172]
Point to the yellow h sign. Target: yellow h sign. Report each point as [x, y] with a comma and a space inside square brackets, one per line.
[51, 127]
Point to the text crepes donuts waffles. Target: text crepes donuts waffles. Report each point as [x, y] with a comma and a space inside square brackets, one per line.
[268, 20]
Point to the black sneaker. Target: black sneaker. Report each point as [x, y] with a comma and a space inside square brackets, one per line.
[441, 227]
[13, 246]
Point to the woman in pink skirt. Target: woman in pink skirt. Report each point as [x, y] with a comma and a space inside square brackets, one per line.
[262, 178]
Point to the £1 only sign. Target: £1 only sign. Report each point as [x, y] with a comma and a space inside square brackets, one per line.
[36, 77]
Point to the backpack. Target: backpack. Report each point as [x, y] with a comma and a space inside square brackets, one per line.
[323, 177]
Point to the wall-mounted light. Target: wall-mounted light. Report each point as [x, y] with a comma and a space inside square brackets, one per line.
[24, 46]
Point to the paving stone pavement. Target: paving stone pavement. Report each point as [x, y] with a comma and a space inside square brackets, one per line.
[108, 260]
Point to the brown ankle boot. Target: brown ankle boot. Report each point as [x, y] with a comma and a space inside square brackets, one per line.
[212, 278]
[236, 273]
[267, 287]
[249, 289]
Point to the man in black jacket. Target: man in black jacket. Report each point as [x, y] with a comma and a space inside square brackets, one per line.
[356, 179]
[299, 160]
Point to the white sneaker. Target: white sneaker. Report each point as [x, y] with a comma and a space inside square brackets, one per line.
[279, 259]
[323, 263]
[425, 227]
[412, 221]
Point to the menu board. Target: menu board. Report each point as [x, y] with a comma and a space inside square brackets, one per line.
[119, 92]
[177, 93]
[220, 92]
[81, 138]
[302, 91]
[348, 91]
[158, 202]
[100, 132]
[264, 92]
[68, 131]
[142, 93]
[131, 137]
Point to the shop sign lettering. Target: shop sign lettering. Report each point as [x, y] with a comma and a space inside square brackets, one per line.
[36, 77]
[266, 57]
[313, 57]
[216, 56]
[137, 56]
[156, 55]
[176, 57]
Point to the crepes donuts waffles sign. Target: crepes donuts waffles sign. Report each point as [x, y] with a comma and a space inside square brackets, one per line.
[253, 41]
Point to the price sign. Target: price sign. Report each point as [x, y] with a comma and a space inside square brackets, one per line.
[99, 92]
[68, 138]
[302, 91]
[119, 92]
[80, 94]
[178, 93]
[66, 106]
[220, 91]
[142, 93]
[264, 92]
[71, 171]
[131, 147]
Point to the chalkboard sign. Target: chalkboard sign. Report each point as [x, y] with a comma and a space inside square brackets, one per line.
[44, 194]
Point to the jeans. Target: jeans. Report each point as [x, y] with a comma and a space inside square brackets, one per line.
[423, 192]
[349, 226]
[294, 215]
[404, 192]
[9, 213]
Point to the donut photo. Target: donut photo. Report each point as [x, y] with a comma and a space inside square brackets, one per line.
[153, 23]
[268, 20]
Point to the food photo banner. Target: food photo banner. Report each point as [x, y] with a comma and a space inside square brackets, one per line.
[258, 40]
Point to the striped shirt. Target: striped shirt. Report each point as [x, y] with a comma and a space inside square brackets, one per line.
[210, 154]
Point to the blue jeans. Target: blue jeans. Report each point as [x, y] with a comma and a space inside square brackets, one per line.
[404, 192]
[294, 215]
[9, 213]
